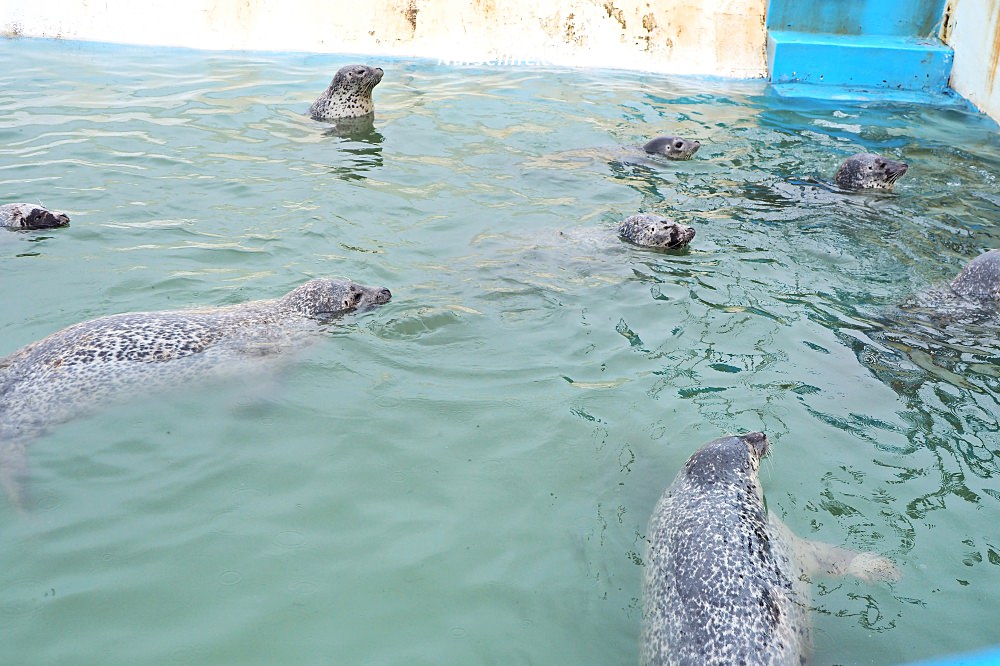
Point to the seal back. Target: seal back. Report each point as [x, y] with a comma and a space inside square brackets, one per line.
[719, 589]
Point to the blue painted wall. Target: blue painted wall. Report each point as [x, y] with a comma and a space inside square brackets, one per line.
[904, 18]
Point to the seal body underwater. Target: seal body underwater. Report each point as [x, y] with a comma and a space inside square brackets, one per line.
[724, 582]
[971, 297]
[105, 360]
[869, 171]
[16, 216]
[979, 280]
[655, 231]
[349, 94]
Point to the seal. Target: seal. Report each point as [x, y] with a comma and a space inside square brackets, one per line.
[655, 231]
[724, 582]
[349, 94]
[19, 216]
[971, 298]
[105, 360]
[869, 171]
[672, 147]
[980, 279]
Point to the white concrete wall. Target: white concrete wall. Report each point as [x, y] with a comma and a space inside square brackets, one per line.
[972, 29]
[714, 37]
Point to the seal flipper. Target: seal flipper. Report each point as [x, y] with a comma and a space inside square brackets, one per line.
[817, 557]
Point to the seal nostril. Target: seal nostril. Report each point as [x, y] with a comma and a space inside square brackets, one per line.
[385, 293]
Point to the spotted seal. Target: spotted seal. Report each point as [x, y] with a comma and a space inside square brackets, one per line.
[349, 94]
[980, 279]
[18, 216]
[971, 297]
[672, 147]
[869, 171]
[655, 231]
[105, 360]
[725, 582]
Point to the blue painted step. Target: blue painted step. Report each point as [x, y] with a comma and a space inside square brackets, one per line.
[889, 62]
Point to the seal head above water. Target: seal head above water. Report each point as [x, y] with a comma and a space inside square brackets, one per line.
[869, 171]
[726, 583]
[29, 216]
[106, 360]
[672, 147]
[655, 231]
[349, 94]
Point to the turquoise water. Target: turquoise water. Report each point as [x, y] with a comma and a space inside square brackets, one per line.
[464, 475]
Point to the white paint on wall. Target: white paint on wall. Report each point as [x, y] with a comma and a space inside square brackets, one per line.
[972, 29]
[708, 37]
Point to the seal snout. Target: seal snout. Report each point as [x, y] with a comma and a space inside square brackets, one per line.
[758, 443]
[382, 295]
[896, 169]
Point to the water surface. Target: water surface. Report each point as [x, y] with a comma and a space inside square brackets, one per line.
[465, 474]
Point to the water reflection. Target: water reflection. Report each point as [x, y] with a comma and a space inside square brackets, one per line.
[360, 143]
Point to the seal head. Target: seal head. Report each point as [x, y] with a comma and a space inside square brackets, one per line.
[29, 216]
[672, 147]
[869, 171]
[323, 298]
[655, 231]
[349, 94]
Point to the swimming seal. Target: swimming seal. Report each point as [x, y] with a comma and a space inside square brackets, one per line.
[980, 279]
[349, 94]
[672, 147]
[104, 360]
[869, 171]
[972, 296]
[29, 216]
[725, 582]
[655, 231]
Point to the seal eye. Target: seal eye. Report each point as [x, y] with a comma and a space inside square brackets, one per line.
[679, 145]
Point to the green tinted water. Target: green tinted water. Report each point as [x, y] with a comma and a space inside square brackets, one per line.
[464, 476]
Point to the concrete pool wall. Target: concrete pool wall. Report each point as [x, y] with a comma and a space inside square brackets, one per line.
[707, 37]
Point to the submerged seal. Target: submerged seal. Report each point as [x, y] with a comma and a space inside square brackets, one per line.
[655, 231]
[980, 279]
[972, 296]
[104, 360]
[725, 582]
[349, 94]
[29, 216]
[869, 171]
[672, 147]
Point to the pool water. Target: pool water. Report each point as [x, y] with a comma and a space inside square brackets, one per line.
[464, 475]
